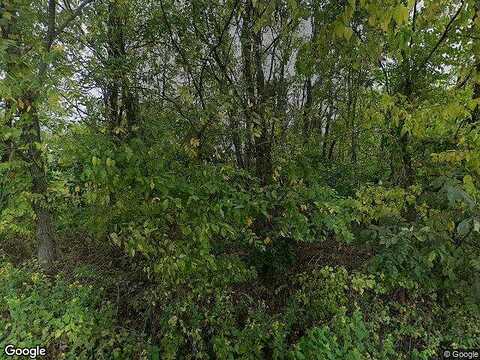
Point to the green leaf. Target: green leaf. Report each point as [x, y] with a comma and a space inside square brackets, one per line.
[347, 33]
[476, 225]
[454, 194]
[7, 15]
[338, 29]
[400, 14]
[464, 227]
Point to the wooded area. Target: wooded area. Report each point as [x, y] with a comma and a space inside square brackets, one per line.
[240, 179]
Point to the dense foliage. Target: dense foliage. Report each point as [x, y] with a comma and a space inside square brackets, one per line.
[240, 179]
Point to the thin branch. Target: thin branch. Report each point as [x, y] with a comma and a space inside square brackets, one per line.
[183, 56]
[463, 82]
[213, 48]
[72, 17]
[443, 37]
[277, 38]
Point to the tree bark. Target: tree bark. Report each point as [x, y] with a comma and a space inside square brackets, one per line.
[476, 85]
[330, 152]
[31, 135]
[327, 130]
[237, 145]
[121, 101]
[263, 144]
[259, 135]
[246, 45]
[307, 110]
[45, 231]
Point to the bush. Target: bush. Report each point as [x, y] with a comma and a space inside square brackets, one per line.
[71, 320]
[347, 338]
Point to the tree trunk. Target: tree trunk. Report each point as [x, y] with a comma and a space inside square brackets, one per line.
[256, 95]
[122, 103]
[246, 45]
[330, 152]
[237, 145]
[45, 232]
[31, 137]
[307, 110]
[351, 116]
[263, 144]
[401, 158]
[476, 85]
[47, 247]
[282, 97]
[327, 131]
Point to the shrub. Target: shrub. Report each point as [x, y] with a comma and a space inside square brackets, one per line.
[70, 319]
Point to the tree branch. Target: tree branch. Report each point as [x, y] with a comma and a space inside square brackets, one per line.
[443, 37]
[72, 17]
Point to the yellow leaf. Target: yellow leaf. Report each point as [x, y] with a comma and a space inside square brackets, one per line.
[194, 142]
[58, 48]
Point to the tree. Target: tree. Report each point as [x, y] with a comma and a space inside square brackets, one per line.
[30, 77]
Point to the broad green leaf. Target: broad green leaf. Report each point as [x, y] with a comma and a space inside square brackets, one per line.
[464, 227]
[400, 14]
